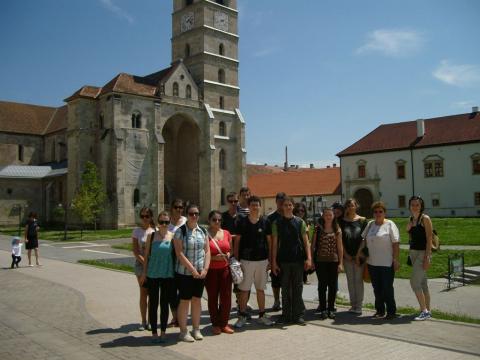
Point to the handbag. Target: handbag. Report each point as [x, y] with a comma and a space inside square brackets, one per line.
[234, 265]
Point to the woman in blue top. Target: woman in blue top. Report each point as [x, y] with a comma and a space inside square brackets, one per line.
[158, 274]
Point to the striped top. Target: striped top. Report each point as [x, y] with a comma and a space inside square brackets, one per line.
[193, 249]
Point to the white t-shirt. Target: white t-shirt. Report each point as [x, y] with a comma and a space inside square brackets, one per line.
[141, 235]
[379, 242]
[172, 228]
[17, 250]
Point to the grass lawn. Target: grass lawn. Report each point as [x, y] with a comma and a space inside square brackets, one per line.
[452, 231]
[107, 265]
[74, 235]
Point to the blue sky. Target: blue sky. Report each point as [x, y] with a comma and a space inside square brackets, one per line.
[314, 75]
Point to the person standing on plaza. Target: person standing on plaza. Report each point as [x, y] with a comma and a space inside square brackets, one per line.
[276, 279]
[31, 237]
[352, 226]
[158, 275]
[290, 257]
[242, 207]
[420, 230]
[252, 250]
[382, 238]
[193, 260]
[327, 248]
[218, 281]
[139, 241]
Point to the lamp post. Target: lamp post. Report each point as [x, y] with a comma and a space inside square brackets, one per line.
[65, 208]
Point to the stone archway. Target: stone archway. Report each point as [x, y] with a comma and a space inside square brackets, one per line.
[364, 198]
[181, 159]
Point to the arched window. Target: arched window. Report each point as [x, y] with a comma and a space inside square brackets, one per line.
[187, 50]
[188, 92]
[20, 152]
[100, 120]
[222, 102]
[175, 89]
[222, 129]
[222, 196]
[221, 76]
[136, 197]
[221, 49]
[136, 120]
[222, 160]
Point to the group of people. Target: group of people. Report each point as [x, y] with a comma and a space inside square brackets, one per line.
[176, 259]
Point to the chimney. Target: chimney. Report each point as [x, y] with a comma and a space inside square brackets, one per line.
[420, 128]
[474, 109]
[311, 166]
[328, 166]
[285, 165]
[334, 165]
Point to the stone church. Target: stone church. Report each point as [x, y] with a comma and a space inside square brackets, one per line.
[177, 132]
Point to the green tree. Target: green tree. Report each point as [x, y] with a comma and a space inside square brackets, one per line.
[90, 197]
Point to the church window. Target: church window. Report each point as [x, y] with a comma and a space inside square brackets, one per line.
[188, 91]
[221, 76]
[20, 152]
[400, 169]
[222, 196]
[433, 166]
[222, 130]
[187, 50]
[361, 171]
[435, 200]
[221, 2]
[476, 164]
[100, 121]
[402, 201]
[222, 160]
[222, 102]
[175, 89]
[136, 197]
[221, 49]
[477, 198]
[188, 2]
[136, 120]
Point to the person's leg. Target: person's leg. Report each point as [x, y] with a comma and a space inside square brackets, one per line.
[389, 293]
[276, 286]
[321, 285]
[182, 314]
[377, 289]
[286, 292]
[13, 261]
[165, 295]
[212, 285]
[153, 288]
[36, 256]
[18, 259]
[29, 254]
[348, 266]
[196, 309]
[298, 306]
[358, 285]
[142, 301]
[332, 278]
[225, 297]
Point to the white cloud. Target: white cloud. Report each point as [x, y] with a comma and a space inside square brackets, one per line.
[394, 43]
[457, 75]
[110, 6]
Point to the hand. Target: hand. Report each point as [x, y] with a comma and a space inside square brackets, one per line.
[275, 269]
[203, 274]
[307, 264]
[396, 265]
[427, 261]
[340, 268]
[195, 274]
[143, 278]
[269, 266]
[313, 266]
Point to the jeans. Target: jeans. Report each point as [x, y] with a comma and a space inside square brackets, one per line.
[292, 290]
[219, 287]
[327, 274]
[166, 286]
[382, 282]
[15, 260]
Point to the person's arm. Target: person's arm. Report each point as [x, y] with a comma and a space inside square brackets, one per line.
[206, 263]
[136, 250]
[25, 233]
[145, 263]
[274, 236]
[178, 245]
[395, 238]
[427, 224]
[308, 263]
[312, 247]
[340, 250]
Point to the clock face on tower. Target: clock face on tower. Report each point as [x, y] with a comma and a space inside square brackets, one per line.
[187, 21]
[220, 21]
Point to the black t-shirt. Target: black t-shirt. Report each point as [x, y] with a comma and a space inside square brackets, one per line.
[290, 244]
[228, 222]
[271, 218]
[418, 236]
[253, 241]
[352, 234]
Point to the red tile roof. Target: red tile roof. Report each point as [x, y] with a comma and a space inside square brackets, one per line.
[89, 92]
[296, 183]
[59, 121]
[24, 118]
[253, 169]
[447, 130]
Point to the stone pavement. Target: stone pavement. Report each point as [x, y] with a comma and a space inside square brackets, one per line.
[68, 311]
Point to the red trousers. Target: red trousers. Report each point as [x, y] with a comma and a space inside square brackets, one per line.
[218, 283]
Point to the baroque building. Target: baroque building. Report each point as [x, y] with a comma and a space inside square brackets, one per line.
[177, 132]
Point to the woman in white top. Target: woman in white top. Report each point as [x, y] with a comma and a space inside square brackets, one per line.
[139, 241]
[382, 238]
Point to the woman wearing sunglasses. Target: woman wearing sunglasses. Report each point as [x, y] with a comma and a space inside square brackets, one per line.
[158, 274]
[139, 240]
[219, 281]
[191, 267]
[382, 239]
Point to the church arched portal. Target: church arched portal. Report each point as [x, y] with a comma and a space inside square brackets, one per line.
[364, 198]
[181, 159]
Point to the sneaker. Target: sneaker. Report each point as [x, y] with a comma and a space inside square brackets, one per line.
[249, 307]
[197, 335]
[265, 320]
[242, 320]
[358, 311]
[301, 321]
[186, 337]
[424, 315]
[352, 310]
[216, 330]
[276, 306]
[142, 327]
[331, 314]
[323, 315]
[378, 315]
[227, 330]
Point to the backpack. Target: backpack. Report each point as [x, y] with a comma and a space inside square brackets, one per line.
[32, 229]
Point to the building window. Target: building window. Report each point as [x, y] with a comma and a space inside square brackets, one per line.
[187, 51]
[188, 2]
[221, 2]
[100, 121]
[435, 200]
[20, 152]
[136, 197]
[222, 197]
[221, 49]
[400, 169]
[188, 92]
[222, 129]
[175, 89]
[433, 166]
[221, 102]
[221, 76]
[221, 160]
[401, 201]
[477, 199]
[53, 152]
[361, 171]
[476, 164]
[136, 120]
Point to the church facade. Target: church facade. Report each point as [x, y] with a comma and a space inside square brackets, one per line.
[175, 133]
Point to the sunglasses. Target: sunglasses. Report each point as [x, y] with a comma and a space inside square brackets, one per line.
[145, 216]
[178, 207]
[233, 201]
[164, 222]
[378, 212]
[193, 214]
[216, 220]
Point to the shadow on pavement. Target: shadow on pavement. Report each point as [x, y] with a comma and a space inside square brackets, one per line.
[124, 329]
[346, 318]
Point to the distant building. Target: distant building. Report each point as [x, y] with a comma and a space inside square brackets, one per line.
[315, 187]
[437, 159]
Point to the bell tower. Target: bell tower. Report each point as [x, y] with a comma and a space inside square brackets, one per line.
[205, 37]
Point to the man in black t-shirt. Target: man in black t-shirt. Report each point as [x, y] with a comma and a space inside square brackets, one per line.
[272, 217]
[229, 217]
